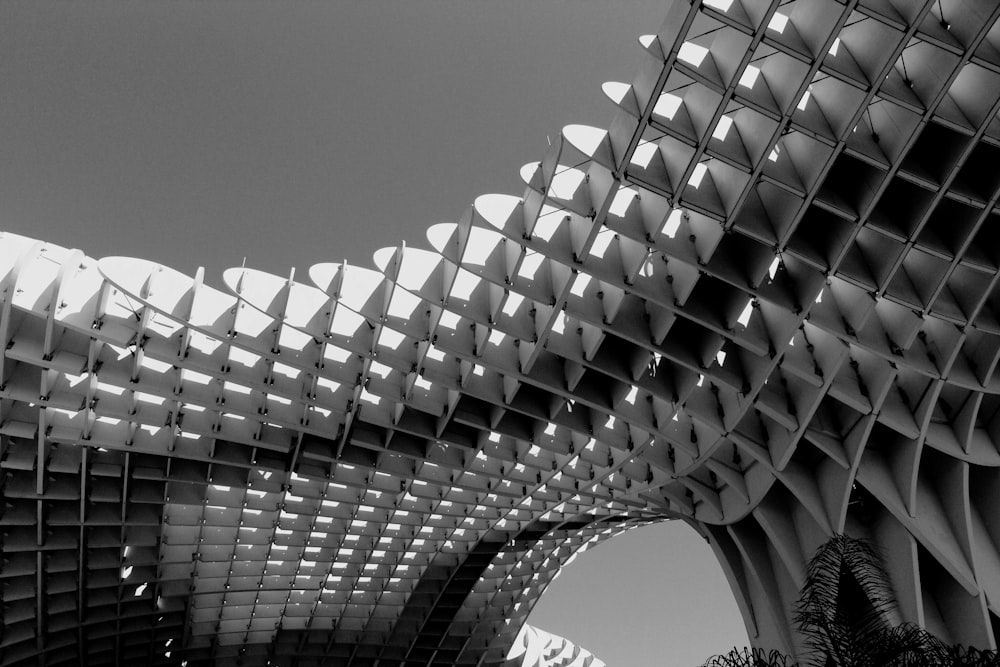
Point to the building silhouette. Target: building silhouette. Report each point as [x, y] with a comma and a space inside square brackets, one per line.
[763, 302]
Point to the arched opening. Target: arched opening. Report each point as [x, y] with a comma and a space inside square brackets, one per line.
[655, 595]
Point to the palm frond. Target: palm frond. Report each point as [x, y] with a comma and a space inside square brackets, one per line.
[747, 657]
[845, 601]
[946, 655]
[904, 645]
[844, 613]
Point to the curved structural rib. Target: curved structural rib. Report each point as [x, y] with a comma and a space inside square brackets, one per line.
[763, 301]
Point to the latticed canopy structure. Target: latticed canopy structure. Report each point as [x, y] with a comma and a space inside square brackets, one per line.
[537, 648]
[763, 302]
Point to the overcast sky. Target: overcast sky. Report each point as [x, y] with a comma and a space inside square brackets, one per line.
[290, 133]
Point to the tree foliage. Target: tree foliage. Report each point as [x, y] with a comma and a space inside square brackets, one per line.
[947, 655]
[844, 613]
[746, 657]
[844, 609]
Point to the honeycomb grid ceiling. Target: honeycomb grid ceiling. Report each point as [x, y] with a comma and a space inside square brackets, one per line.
[763, 301]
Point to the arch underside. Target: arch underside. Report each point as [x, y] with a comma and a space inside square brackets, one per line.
[763, 301]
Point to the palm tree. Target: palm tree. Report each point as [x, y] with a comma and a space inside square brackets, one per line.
[844, 608]
[844, 612]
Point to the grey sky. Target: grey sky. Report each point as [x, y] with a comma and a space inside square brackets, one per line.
[197, 133]
[654, 596]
